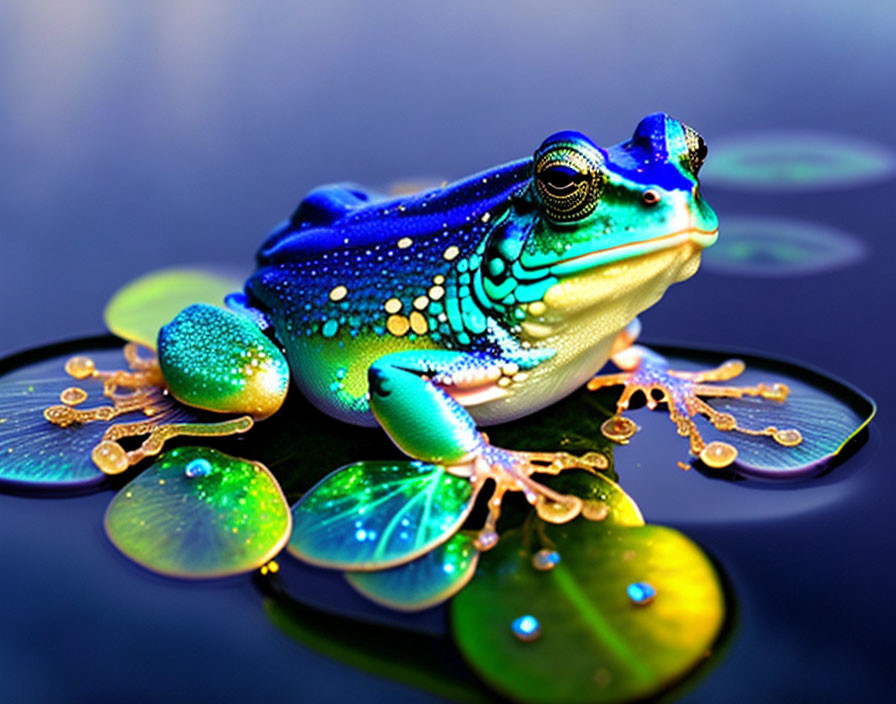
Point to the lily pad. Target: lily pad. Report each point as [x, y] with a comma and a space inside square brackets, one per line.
[35, 453]
[375, 515]
[790, 161]
[604, 500]
[138, 310]
[197, 512]
[429, 580]
[780, 247]
[587, 638]
[827, 412]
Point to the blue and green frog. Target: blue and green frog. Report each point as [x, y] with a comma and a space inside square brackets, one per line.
[475, 303]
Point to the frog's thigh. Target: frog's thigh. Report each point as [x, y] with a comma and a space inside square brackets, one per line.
[221, 361]
[408, 398]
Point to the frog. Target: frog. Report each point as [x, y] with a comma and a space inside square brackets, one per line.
[437, 314]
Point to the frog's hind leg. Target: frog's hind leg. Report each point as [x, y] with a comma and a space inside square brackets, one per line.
[414, 396]
[209, 358]
[646, 372]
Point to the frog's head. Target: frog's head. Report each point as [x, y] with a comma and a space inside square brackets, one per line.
[609, 229]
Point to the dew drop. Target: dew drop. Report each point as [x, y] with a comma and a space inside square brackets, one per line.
[558, 511]
[199, 467]
[526, 628]
[270, 568]
[595, 510]
[80, 367]
[641, 593]
[485, 540]
[618, 429]
[718, 454]
[545, 560]
[110, 457]
[789, 437]
[72, 396]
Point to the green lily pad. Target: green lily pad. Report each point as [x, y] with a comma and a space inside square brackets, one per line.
[197, 512]
[780, 247]
[138, 310]
[604, 500]
[596, 644]
[791, 161]
[429, 580]
[375, 515]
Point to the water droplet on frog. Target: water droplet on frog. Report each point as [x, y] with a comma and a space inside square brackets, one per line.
[526, 628]
[198, 468]
[718, 454]
[618, 429]
[545, 560]
[641, 593]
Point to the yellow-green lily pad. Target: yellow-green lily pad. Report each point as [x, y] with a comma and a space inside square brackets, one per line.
[199, 513]
[429, 580]
[604, 500]
[624, 613]
[138, 310]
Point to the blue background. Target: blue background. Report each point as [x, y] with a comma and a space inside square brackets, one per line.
[141, 135]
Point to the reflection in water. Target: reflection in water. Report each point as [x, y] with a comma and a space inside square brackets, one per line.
[797, 161]
[757, 246]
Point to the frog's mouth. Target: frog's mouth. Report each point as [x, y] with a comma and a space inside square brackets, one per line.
[583, 262]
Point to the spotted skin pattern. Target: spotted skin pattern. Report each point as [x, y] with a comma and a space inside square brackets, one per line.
[485, 300]
[349, 280]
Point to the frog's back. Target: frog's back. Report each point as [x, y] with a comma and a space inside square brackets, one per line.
[350, 278]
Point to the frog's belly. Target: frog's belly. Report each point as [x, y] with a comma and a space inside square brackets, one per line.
[332, 375]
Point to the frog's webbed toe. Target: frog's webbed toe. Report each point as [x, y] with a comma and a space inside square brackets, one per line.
[138, 392]
[512, 471]
[683, 392]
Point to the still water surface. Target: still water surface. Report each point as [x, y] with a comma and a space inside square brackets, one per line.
[137, 136]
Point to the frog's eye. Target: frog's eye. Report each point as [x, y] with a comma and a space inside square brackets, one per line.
[568, 181]
[697, 149]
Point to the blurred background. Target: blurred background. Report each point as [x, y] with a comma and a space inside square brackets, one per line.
[138, 135]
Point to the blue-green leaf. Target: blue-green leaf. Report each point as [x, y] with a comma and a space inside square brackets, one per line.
[138, 310]
[429, 580]
[197, 512]
[374, 515]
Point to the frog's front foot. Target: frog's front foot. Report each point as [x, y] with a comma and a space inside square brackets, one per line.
[512, 471]
[647, 372]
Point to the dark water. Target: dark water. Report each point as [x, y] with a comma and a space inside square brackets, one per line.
[139, 136]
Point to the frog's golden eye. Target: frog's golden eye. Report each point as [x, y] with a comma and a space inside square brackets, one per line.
[697, 149]
[651, 196]
[568, 181]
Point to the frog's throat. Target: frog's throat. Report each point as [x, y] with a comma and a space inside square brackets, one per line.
[600, 301]
[583, 262]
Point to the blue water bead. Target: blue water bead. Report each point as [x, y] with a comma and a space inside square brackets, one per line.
[199, 467]
[526, 628]
[641, 593]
